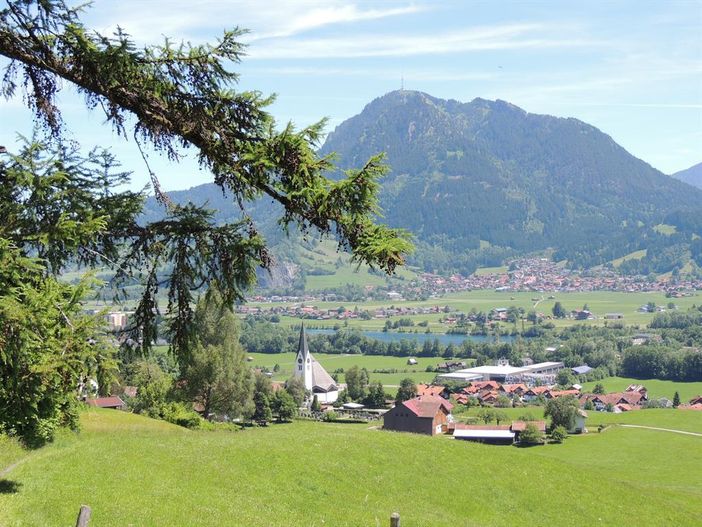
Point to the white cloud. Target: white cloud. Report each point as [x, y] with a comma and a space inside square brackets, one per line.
[146, 22]
[498, 37]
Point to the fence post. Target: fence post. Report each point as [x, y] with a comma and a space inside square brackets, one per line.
[395, 519]
[83, 516]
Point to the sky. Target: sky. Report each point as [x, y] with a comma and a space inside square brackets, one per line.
[633, 69]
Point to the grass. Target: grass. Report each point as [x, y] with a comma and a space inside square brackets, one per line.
[135, 471]
[686, 420]
[599, 302]
[636, 255]
[332, 362]
[656, 387]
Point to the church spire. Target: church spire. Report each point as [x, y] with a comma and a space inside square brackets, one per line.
[302, 348]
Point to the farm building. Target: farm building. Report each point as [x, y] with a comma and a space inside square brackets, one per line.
[433, 391]
[421, 415]
[505, 373]
[113, 402]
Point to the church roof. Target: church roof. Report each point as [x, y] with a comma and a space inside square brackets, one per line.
[320, 378]
[302, 346]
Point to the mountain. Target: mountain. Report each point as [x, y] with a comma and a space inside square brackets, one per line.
[482, 180]
[692, 175]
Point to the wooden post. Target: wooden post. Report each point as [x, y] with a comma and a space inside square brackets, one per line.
[395, 519]
[83, 516]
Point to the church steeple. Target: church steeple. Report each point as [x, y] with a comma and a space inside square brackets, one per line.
[302, 348]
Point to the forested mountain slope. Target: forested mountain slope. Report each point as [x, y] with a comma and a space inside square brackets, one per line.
[488, 170]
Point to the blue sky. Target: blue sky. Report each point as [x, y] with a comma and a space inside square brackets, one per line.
[631, 68]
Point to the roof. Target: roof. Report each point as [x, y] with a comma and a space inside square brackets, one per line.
[426, 389]
[460, 375]
[581, 370]
[106, 402]
[427, 406]
[520, 426]
[320, 378]
[302, 346]
[483, 434]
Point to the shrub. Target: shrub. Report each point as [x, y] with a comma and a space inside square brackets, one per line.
[179, 414]
[559, 434]
[330, 416]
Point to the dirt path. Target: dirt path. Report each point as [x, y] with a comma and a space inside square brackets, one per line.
[663, 430]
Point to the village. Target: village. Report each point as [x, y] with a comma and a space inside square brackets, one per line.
[437, 409]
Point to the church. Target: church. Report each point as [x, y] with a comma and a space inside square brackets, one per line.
[316, 378]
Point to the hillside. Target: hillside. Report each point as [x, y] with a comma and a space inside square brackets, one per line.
[488, 170]
[135, 471]
[691, 176]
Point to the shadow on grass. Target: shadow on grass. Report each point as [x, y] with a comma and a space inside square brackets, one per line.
[7, 486]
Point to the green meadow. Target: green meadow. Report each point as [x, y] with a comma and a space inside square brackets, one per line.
[599, 302]
[135, 471]
[685, 420]
[656, 387]
[332, 362]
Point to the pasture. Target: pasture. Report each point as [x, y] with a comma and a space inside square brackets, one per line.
[656, 387]
[135, 471]
[599, 302]
[332, 362]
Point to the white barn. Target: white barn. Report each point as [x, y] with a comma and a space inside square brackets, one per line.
[316, 378]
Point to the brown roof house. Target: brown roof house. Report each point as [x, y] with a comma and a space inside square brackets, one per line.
[108, 402]
[421, 415]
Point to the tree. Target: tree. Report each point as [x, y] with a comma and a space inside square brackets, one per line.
[558, 310]
[295, 386]
[174, 97]
[376, 395]
[676, 400]
[181, 96]
[262, 412]
[406, 391]
[562, 411]
[531, 435]
[153, 386]
[559, 434]
[486, 415]
[284, 405]
[565, 377]
[356, 382]
[599, 389]
[315, 406]
[216, 374]
[501, 417]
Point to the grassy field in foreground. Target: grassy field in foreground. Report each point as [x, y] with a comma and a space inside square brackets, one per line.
[134, 471]
[656, 387]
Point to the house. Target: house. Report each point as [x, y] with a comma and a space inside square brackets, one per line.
[533, 393]
[614, 316]
[477, 387]
[450, 366]
[488, 396]
[421, 415]
[581, 370]
[554, 394]
[579, 426]
[638, 388]
[519, 426]
[433, 391]
[315, 377]
[514, 390]
[492, 434]
[113, 402]
[602, 402]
